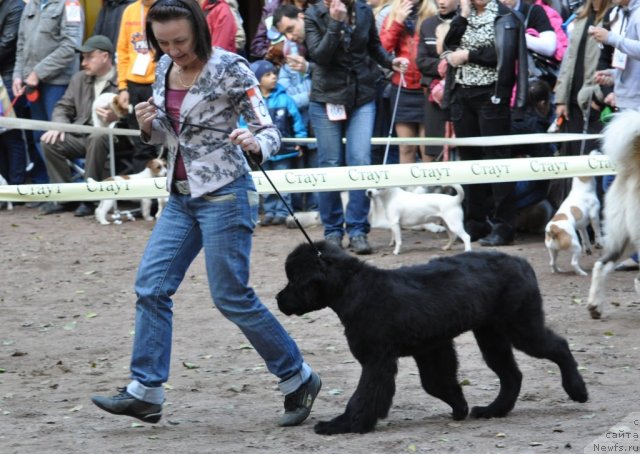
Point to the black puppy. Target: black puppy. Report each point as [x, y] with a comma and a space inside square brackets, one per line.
[417, 311]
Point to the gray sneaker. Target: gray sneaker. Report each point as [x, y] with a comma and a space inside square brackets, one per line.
[335, 240]
[297, 405]
[125, 404]
[360, 245]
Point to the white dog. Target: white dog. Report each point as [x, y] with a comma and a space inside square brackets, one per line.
[4, 182]
[580, 209]
[107, 100]
[407, 209]
[154, 168]
[621, 204]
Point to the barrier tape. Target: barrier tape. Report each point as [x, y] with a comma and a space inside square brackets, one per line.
[522, 139]
[337, 178]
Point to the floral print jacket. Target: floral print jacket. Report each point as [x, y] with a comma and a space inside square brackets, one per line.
[222, 93]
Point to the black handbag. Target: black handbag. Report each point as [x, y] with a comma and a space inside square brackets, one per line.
[541, 67]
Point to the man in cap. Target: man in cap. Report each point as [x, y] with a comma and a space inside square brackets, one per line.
[98, 76]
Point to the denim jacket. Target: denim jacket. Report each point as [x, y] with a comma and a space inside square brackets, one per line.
[217, 99]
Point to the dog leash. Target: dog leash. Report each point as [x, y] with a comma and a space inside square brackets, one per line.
[258, 165]
[393, 118]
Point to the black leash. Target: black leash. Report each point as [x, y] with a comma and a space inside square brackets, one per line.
[258, 165]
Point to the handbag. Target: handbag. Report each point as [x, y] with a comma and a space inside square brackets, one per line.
[541, 67]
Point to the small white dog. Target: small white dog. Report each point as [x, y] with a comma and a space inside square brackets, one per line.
[4, 182]
[406, 209]
[580, 209]
[154, 168]
[621, 204]
[107, 100]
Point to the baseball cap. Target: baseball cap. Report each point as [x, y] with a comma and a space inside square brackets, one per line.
[97, 42]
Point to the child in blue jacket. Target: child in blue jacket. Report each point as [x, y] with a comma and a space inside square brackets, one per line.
[287, 118]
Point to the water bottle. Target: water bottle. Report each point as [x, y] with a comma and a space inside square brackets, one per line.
[291, 48]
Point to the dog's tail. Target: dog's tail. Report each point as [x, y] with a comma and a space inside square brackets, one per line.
[622, 141]
[459, 192]
[560, 236]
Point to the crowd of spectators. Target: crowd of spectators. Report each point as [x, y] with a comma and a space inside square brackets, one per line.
[463, 67]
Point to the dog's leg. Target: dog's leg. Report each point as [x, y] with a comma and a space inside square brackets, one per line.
[162, 201]
[576, 253]
[498, 354]
[102, 210]
[371, 400]
[454, 224]
[553, 254]
[441, 381]
[596, 292]
[584, 239]
[533, 338]
[396, 236]
[145, 206]
[597, 230]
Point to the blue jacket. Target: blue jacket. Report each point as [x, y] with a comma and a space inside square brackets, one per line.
[287, 118]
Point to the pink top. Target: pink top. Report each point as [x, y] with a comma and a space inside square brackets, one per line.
[174, 101]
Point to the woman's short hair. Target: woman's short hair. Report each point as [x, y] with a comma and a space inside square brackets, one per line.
[168, 10]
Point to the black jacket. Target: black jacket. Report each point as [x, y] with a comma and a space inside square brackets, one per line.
[346, 76]
[10, 13]
[108, 21]
[509, 55]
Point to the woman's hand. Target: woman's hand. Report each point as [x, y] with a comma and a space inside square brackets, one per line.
[465, 8]
[400, 64]
[246, 140]
[146, 112]
[598, 33]
[458, 57]
[338, 10]
[404, 11]
[562, 111]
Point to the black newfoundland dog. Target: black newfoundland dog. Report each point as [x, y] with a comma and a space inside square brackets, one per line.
[417, 311]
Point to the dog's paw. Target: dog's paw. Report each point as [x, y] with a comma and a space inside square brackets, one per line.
[458, 414]
[576, 389]
[594, 312]
[488, 412]
[330, 428]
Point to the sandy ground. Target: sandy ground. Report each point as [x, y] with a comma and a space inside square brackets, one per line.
[67, 324]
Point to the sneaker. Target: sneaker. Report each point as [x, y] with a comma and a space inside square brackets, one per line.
[83, 210]
[55, 208]
[266, 220]
[279, 220]
[297, 405]
[360, 245]
[336, 240]
[125, 404]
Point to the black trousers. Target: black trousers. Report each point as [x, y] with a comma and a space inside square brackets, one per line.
[142, 152]
[475, 115]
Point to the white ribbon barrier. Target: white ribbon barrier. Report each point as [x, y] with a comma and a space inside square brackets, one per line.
[338, 178]
[522, 139]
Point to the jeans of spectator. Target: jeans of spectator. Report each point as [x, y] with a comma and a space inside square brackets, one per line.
[142, 152]
[305, 201]
[13, 146]
[530, 192]
[358, 128]
[221, 222]
[272, 204]
[42, 109]
[474, 115]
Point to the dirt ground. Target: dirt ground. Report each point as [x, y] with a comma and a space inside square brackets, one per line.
[67, 324]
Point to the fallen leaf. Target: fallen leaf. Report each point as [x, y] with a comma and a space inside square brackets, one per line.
[88, 273]
[70, 326]
[190, 365]
[245, 347]
[608, 333]
[535, 443]
[335, 392]
[136, 425]
[2, 371]
[501, 435]
[91, 315]
[76, 408]
[412, 448]
[576, 300]
[465, 382]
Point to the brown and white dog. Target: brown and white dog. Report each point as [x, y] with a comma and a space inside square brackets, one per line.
[621, 204]
[108, 100]
[406, 209]
[154, 168]
[580, 209]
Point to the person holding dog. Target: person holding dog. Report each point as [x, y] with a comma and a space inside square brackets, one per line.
[213, 205]
[97, 76]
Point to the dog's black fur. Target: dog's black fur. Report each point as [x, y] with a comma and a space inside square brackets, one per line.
[417, 311]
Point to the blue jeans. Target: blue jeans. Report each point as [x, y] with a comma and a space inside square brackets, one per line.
[272, 205]
[358, 129]
[13, 147]
[222, 222]
[42, 109]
